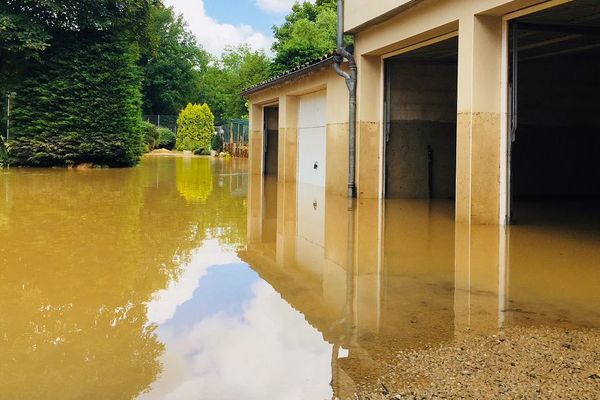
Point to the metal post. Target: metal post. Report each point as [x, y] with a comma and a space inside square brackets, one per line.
[159, 120]
[9, 96]
[8, 117]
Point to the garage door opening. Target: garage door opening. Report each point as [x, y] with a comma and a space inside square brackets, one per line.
[554, 119]
[271, 140]
[420, 115]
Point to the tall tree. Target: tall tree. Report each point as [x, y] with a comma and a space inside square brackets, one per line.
[309, 31]
[221, 84]
[172, 62]
[72, 64]
[82, 105]
[22, 39]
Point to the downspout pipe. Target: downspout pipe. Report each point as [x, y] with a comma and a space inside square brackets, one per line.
[343, 54]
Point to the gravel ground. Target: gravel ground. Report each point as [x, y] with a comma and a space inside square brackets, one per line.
[518, 363]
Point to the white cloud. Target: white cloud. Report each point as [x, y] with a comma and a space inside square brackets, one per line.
[165, 302]
[277, 6]
[267, 352]
[215, 36]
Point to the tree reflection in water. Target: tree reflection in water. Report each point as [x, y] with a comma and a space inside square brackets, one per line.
[82, 254]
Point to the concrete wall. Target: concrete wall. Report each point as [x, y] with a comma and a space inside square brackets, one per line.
[558, 138]
[422, 130]
[288, 96]
[359, 12]
[481, 97]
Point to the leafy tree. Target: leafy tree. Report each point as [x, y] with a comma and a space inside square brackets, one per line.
[195, 127]
[309, 32]
[172, 62]
[81, 105]
[72, 64]
[21, 41]
[28, 26]
[221, 84]
[126, 16]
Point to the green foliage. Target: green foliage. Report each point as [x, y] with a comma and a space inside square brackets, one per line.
[222, 82]
[72, 64]
[309, 32]
[151, 135]
[4, 161]
[217, 143]
[195, 128]
[27, 27]
[172, 62]
[85, 15]
[82, 105]
[166, 139]
[21, 41]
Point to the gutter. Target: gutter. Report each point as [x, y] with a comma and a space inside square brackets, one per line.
[351, 78]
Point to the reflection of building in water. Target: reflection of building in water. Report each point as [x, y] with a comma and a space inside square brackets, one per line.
[401, 274]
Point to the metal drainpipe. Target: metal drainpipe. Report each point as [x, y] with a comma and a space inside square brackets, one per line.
[341, 54]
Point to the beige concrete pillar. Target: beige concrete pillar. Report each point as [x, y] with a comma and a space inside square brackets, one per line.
[287, 215]
[367, 264]
[369, 115]
[480, 277]
[479, 120]
[288, 138]
[255, 181]
[255, 145]
[255, 197]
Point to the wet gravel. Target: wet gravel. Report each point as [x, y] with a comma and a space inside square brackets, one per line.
[517, 363]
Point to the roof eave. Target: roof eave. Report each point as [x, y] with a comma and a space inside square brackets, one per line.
[294, 74]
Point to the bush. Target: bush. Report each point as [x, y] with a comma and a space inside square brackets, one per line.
[217, 143]
[195, 128]
[151, 135]
[166, 139]
[3, 154]
[201, 152]
[82, 104]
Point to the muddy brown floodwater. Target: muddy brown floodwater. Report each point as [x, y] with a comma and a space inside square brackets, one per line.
[184, 278]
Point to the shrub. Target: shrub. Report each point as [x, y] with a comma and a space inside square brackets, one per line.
[82, 104]
[151, 135]
[195, 128]
[201, 152]
[166, 139]
[217, 143]
[3, 154]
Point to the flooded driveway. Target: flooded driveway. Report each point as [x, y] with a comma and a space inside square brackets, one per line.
[185, 278]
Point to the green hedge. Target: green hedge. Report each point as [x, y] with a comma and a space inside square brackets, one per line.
[166, 139]
[82, 104]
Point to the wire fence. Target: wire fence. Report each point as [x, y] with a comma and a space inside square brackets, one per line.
[162, 121]
[235, 134]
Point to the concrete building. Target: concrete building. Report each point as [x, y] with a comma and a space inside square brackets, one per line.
[492, 103]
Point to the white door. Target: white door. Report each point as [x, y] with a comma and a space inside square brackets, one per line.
[312, 139]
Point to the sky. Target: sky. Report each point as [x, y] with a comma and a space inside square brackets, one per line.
[229, 335]
[221, 23]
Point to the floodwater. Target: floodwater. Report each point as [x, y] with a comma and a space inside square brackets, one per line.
[184, 278]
